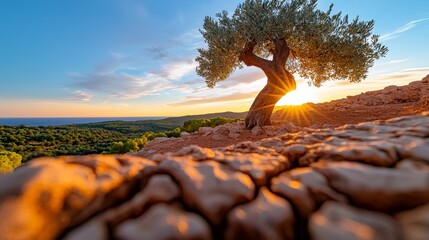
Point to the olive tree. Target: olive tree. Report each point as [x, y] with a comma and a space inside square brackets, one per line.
[283, 38]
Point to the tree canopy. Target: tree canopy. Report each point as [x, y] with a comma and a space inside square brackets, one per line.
[320, 45]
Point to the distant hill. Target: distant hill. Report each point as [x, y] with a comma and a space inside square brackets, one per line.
[136, 128]
[209, 115]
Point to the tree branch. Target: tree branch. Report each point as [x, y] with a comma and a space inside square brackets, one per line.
[250, 59]
[281, 52]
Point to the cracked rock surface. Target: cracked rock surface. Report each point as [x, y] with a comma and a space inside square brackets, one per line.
[361, 181]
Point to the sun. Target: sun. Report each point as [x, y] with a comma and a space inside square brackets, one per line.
[301, 95]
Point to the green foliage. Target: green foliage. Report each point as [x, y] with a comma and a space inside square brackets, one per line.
[117, 147]
[131, 145]
[31, 142]
[321, 45]
[136, 128]
[193, 125]
[9, 161]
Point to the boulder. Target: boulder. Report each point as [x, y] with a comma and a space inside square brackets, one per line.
[220, 132]
[374, 188]
[257, 130]
[389, 89]
[164, 222]
[209, 187]
[48, 195]
[339, 221]
[205, 130]
[268, 217]
[415, 223]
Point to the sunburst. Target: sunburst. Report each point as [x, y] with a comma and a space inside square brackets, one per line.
[302, 94]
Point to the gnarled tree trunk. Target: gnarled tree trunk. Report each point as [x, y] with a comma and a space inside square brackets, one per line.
[279, 82]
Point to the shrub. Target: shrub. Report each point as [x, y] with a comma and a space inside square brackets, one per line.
[193, 125]
[9, 161]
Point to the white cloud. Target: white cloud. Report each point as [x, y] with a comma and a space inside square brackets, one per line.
[236, 96]
[396, 33]
[397, 61]
[177, 70]
[81, 96]
[109, 80]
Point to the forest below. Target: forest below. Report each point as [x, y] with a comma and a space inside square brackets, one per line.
[103, 137]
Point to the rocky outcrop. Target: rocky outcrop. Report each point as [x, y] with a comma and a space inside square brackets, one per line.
[417, 92]
[363, 181]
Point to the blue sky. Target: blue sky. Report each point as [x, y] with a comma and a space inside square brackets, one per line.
[136, 58]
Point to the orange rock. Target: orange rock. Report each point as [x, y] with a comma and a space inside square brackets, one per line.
[339, 221]
[209, 187]
[375, 188]
[267, 217]
[164, 222]
[50, 194]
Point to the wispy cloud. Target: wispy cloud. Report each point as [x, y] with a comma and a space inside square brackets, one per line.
[398, 61]
[227, 98]
[177, 70]
[112, 81]
[405, 75]
[245, 77]
[396, 33]
[81, 96]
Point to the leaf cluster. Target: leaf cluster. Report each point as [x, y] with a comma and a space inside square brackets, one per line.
[323, 46]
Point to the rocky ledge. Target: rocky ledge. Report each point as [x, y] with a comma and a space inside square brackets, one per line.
[364, 181]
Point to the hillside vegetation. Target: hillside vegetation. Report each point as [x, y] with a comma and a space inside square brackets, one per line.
[105, 137]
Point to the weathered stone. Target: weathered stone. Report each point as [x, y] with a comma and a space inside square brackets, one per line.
[418, 150]
[339, 221]
[357, 152]
[67, 189]
[267, 217]
[158, 140]
[235, 130]
[221, 130]
[380, 189]
[209, 187]
[95, 230]
[269, 130]
[159, 189]
[259, 167]
[389, 89]
[295, 152]
[184, 134]
[251, 147]
[316, 183]
[295, 192]
[415, 223]
[164, 222]
[412, 165]
[257, 130]
[205, 130]
[194, 151]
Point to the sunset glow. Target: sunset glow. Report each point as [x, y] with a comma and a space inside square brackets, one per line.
[302, 94]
